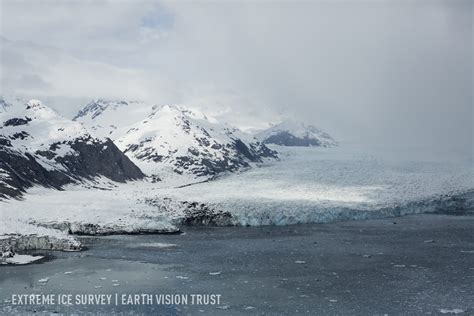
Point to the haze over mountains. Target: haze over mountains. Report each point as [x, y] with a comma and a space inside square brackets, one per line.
[129, 140]
[292, 133]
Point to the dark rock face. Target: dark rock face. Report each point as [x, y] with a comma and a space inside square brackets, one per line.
[199, 214]
[19, 171]
[199, 160]
[17, 121]
[264, 151]
[39, 147]
[236, 156]
[100, 158]
[194, 213]
[287, 139]
[5, 142]
[241, 148]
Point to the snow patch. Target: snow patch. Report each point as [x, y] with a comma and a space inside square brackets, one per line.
[153, 245]
[451, 311]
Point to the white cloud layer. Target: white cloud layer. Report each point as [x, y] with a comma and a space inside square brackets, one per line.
[379, 72]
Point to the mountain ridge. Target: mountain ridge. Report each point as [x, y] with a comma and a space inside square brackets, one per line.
[38, 146]
[293, 133]
[175, 139]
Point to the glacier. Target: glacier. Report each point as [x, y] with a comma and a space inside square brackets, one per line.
[314, 184]
[308, 185]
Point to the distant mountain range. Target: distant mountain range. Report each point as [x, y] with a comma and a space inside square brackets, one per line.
[129, 140]
[291, 133]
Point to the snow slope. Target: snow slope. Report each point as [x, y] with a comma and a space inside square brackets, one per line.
[184, 141]
[292, 133]
[37, 145]
[34, 127]
[170, 140]
[107, 118]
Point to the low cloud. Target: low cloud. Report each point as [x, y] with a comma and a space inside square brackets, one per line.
[386, 73]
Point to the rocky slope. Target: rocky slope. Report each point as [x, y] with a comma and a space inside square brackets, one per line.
[172, 139]
[290, 133]
[38, 146]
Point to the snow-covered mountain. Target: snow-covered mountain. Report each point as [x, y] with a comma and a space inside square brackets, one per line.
[39, 146]
[104, 118]
[173, 138]
[291, 133]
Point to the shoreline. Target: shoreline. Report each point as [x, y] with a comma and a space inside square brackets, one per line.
[67, 235]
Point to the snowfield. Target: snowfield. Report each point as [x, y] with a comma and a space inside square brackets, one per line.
[308, 184]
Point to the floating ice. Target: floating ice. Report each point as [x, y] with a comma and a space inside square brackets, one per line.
[451, 311]
[22, 259]
[215, 273]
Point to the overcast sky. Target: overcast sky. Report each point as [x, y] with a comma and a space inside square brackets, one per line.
[377, 72]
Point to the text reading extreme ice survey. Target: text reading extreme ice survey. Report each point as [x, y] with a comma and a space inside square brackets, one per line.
[116, 299]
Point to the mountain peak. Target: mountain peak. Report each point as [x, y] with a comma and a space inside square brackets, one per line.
[172, 139]
[34, 104]
[165, 110]
[96, 107]
[295, 133]
[181, 111]
[39, 146]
